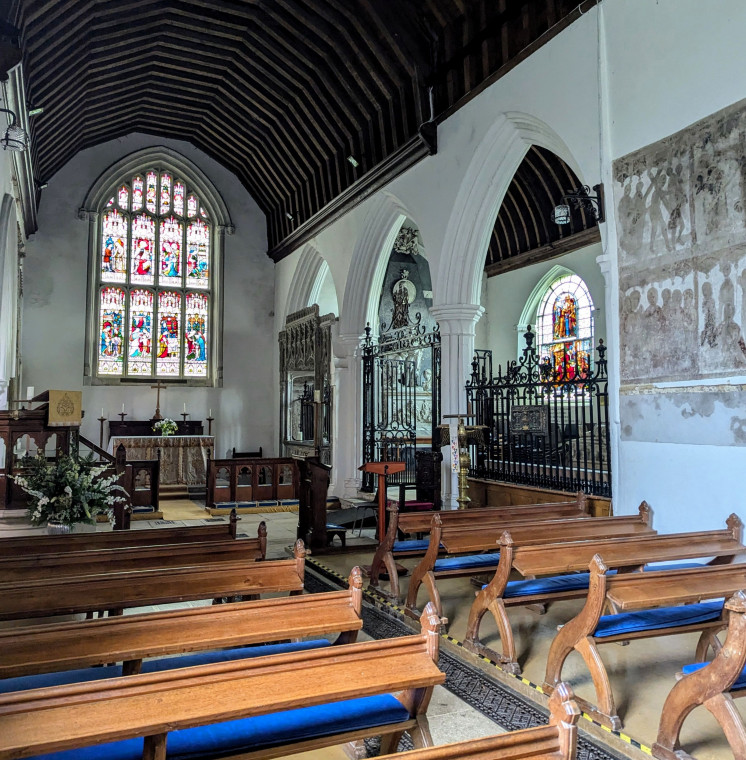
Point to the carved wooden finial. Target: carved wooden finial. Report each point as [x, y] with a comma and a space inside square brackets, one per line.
[597, 565]
[506, 539]
[356, 577]
[646, 513]
[436, 522]
[737, 603]
[262, 530]
[735, 526]
[562, 705]
[299, 552]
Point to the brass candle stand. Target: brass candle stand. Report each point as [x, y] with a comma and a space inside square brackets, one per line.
[466, 435]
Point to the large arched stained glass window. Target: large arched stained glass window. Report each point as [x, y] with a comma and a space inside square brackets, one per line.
[565, 328]
[154, 280]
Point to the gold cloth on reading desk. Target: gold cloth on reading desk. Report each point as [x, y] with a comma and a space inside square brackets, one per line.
[65, 408]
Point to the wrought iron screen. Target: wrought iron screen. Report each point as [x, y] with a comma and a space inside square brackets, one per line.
[546, 426]
[401, 398]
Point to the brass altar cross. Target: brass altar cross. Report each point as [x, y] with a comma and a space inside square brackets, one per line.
[158, 386]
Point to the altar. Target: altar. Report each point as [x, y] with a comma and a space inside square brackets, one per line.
[183, 457]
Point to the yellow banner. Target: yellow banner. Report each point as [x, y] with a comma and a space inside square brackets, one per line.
[65, 408]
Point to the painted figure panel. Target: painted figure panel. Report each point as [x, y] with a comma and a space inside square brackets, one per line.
[113, 247]
[198, 255]
[195, 335]
[111, 323]
[165, 204]
[143, 250]
[179, 191]
[141, 333]
[169, 343]
[137, 193]
[171, 231]
[123, 197]
[151, 192]
[192, 206]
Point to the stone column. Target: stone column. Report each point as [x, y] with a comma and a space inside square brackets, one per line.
[457, 323]
[347, 443]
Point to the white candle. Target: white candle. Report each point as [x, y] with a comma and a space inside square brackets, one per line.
[30, 392]
[185, 406]
[102, 412]
[122, 407]
[210, 413]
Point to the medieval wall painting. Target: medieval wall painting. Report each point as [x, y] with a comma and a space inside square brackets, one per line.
[681, 218]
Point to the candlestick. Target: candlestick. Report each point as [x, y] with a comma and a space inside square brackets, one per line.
[183, 416]
[209, 423]
[101, 421]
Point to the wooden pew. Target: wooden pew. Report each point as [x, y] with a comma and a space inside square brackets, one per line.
[39, 650]
[714, 685]
[117, 591]
[127, 559]
[21, 546]
[244, 696]
[555, 741]
[481, 538]
[419, 522]
[563, 566]
[650, 604]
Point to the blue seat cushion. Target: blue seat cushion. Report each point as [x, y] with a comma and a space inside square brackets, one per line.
[249, 734]
[549, 585]
[411, 545]
[468, 562]
[662, 617]
[740, 681]
[22, 683]
[658, 566]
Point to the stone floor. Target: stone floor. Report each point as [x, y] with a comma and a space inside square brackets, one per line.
[642, 673]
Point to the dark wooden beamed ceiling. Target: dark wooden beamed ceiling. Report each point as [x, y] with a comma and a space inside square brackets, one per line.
[524, 231]
[280, 92]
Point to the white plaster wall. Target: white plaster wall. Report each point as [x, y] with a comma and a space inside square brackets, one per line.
[508, 293]
[55, 307]
[671, 63]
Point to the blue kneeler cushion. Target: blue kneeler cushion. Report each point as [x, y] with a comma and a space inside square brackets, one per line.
[22, 683]
[662, 617]
[740, 682]
[468, 562]
[248, 734]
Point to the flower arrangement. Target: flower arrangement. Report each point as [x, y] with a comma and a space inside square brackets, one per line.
[68, 490]
[165, 427]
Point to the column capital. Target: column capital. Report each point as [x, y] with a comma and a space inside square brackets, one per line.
[346, 344]
[457, 318]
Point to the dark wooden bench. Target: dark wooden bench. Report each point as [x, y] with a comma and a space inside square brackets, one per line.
[266, 706]
[650, 605]
[555, 741]
[116, 591]
[714, 685]
[418, 523]
[475, 547]
[37, 656]
[21, 546]
[557, 571]
[132, 558]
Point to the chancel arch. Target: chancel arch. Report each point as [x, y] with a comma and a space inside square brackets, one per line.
[155, 266]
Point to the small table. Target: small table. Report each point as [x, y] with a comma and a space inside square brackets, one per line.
[183, 457]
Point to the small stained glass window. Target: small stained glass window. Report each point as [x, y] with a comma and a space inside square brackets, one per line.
[565, 329]
[154, 285]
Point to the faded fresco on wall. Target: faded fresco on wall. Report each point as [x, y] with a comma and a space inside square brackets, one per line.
[681, 218]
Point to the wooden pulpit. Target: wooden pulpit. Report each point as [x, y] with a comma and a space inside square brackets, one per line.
[314, 484]
[382, 469]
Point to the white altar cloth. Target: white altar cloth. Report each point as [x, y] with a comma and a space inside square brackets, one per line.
[183, 457]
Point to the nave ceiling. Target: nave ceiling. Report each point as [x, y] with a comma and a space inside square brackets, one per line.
[280, 92]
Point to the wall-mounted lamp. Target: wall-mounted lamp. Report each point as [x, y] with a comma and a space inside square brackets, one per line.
[15, 137]
[289, 215]
[581, 198]
[353, 161]
[40, 185]
[35, 112]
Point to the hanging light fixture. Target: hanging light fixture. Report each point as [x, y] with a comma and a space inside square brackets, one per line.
[581, 198]
[15, 137]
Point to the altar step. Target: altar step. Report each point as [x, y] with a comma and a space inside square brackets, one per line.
[173, 492]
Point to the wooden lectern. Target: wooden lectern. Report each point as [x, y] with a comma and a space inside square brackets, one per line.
[382, 469]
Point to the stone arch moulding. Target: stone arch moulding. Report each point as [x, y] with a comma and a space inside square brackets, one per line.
[311, 267]
[216, 208]
[480, 196]
[368, 267]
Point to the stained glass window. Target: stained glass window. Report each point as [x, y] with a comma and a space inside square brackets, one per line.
[154, 295]
[111, 323]
[565, 329]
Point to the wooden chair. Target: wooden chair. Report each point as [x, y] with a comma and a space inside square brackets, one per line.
[475, 545]
[115, 591]
[714, 685]
[651, 604]
[38, 656]
[266, 706]
[417, 523]
[555, 741]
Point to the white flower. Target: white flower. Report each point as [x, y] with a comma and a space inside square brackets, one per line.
[68, 490]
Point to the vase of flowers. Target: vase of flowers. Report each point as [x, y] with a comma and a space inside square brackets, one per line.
[165, 427]
[68, 490]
